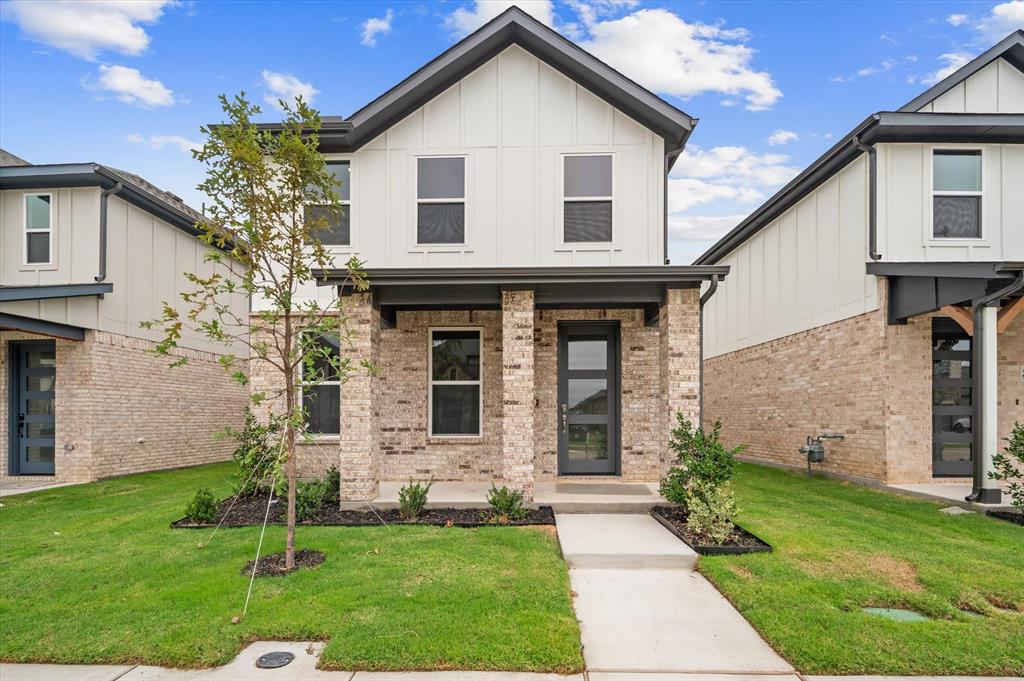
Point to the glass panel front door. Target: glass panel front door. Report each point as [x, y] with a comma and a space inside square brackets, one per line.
[588, 415]
[34, 417]
[952, 399]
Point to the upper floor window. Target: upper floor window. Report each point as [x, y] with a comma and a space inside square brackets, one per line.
[336, 230]
[38, 229]
[455, 382]
[587, 199]
[321, 389]
[956, 194]
[441, 200]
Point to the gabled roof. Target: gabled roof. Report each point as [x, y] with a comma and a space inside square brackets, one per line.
[9, 159]
[1010, 48]
[511, 27]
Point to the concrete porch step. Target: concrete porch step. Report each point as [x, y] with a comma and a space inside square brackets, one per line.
[620, 541]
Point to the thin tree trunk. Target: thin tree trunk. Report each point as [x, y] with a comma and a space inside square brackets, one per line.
[289, 433]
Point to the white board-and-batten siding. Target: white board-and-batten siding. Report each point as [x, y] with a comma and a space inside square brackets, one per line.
[996, 88]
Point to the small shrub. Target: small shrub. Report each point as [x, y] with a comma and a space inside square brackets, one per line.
[1009, 466]
[711, 508]
[332, 479]
[412, 498]
[203, 507]
[309, 498]
[506, 505]
[256, 456]
[704, 462]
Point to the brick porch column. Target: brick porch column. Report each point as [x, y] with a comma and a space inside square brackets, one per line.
[679, 320]
[517, 390]
[359, 447]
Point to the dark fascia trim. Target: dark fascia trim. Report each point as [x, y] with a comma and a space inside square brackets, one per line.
[884, 126]
[961, 270]
[41, 327]
[1010, 48]
[9, 294]
[482, 276]
[513, 26]
[95, 175]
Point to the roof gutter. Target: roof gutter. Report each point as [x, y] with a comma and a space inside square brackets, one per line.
[104, 195]
[700, 390]
[872, 196]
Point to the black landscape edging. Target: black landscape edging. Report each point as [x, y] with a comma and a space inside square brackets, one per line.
[1007, 516]
[713, 550]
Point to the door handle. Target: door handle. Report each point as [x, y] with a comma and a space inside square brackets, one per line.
[21, 425]
[565, 418]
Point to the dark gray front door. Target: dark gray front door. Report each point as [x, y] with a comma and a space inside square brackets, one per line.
[588, 398]
[33, 388]
[952, 399]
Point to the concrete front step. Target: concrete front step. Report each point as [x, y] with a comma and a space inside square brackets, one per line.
[620, 541]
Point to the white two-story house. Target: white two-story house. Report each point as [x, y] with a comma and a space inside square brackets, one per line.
[508, 199]
[879, 294]
[87, 253]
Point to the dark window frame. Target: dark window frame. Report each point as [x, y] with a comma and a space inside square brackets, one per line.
[436, 201]
[303, 385]
[26, 231]
[594, 199]
[431, 383]
[958, 193]
[346, 203]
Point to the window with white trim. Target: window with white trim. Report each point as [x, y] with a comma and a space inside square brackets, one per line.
[321, 387]
[441, 200]
[587, 199]
[956, 194]
[455, 399]
[38, 229]
[336, 230]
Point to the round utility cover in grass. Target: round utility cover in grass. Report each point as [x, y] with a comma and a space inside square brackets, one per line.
[897, 614]
[274, 660]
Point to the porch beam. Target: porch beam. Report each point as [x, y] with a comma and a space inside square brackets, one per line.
[960, 316]
[1009, 313]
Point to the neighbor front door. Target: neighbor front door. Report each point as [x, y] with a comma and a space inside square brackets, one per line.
[588, 397]
[952, 399]
[34, 378]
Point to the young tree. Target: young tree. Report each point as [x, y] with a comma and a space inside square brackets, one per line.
[271, 197]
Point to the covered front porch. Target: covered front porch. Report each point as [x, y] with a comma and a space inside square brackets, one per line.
[557, 382]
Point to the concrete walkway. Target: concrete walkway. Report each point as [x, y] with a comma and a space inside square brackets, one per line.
[9, 488]
[642, 609]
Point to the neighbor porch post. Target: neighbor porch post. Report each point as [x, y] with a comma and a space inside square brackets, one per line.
[679, 320]
[517, 385]
[359, 455]
[986, 388]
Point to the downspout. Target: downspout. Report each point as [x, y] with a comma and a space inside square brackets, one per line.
[872, 197]
[669, 156]
[980, 493]
[107, 193]
[700, 391]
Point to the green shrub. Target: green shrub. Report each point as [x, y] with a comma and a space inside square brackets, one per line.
[412, 498]
[256, 456]
[309, 498]
[1009, 466]
[332, 479]
[710, 509]
[506, 505]
[203, 507]
[703, 461]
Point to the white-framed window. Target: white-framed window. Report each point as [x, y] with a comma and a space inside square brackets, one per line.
[338, 228]
[455, 365]
[321, 397]
[587, 203]
[956, 193]
[441, 200]
[38, 244]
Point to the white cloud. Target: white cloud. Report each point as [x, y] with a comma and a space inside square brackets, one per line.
[701, 228]
[736, 166]
[954, 60]
[158, 142]
[287, 87]
[886, 65]
[1003, 19]
[86, 27]
[956, 19]
[128, 85]
[465, 20]
[780, 137]
[666, 54]
[686, 193]
[376, 26]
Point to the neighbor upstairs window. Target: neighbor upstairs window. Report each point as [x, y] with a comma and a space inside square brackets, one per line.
[38, 229]
[336, 230]
[455, 386]
[956, 194]
[321, 389]
[441, 200]
[587, 199]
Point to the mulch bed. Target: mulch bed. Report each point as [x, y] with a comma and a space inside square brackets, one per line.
[272, 565]
[740, 541]
[249, 511]
[1008, 516]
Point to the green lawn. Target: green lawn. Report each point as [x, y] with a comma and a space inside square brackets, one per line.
[840, 547]
[94, 574]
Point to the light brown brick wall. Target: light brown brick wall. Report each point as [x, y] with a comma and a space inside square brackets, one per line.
[1011, 377]
[121, 409]
[517, 390]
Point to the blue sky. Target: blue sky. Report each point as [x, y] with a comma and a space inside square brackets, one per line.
[774, 84]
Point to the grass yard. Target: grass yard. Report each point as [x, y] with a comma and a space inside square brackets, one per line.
[94, 574]
[840, 547]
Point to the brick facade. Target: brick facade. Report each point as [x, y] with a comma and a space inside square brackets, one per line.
[517, 390]
[861, 377]
[121, 409]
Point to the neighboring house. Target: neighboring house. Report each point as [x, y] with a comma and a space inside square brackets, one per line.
[509, 201]
[878, 295]
[88, 252]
